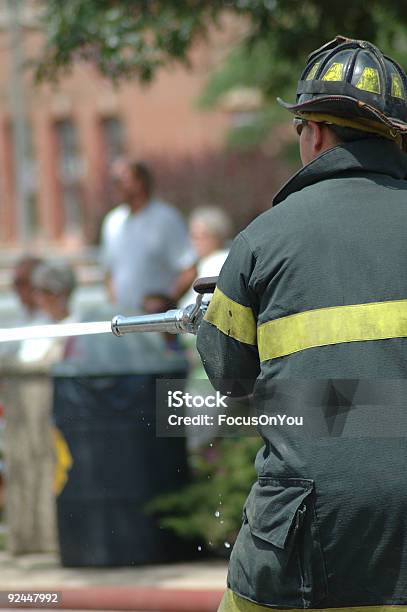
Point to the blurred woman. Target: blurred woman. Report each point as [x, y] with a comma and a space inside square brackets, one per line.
[53, 285]
[210, 229]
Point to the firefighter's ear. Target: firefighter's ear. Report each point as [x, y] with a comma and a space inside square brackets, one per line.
[317, 136]
[314, 140]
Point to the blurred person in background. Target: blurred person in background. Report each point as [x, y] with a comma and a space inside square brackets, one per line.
[53, 285]
[23, 288]
[28, 312]
[145, 244]
[210, 228]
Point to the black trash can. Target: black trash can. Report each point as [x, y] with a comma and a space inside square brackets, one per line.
[105, 412]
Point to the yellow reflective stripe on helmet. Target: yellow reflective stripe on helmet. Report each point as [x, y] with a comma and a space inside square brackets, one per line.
[326, 326]
[312, 72]
[369, 80]
[334, 73]
[232, 318]
[397, 89]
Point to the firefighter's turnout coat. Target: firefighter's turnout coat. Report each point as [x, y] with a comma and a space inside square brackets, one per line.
[315, 290]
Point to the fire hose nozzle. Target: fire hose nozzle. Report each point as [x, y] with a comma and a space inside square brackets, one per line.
[170, 322]
[117, 323]
[180, 321]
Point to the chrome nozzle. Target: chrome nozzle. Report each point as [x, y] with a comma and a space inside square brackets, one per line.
[170, 322]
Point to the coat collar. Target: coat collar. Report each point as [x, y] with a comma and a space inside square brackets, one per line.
[362, 156]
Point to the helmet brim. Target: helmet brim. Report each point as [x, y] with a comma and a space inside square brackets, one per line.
[343, 106]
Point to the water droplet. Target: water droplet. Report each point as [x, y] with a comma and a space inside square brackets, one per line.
[199, 548]
[217, 513]
[227, 545]
[211, 444]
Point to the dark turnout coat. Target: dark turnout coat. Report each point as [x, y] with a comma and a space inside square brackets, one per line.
[311, 306]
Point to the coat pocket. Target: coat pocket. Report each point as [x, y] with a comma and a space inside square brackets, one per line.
[277, 559]
[273, 509]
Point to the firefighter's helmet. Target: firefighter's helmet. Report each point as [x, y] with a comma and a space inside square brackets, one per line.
[353, 79]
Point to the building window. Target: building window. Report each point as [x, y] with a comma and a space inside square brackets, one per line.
[29, 177]
[31, 183]
[70, 174]
[113, 136]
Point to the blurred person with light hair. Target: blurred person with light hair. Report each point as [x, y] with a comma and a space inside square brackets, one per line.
[53, 284]
[210, 228]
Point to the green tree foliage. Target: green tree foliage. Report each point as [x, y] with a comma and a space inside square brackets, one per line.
[136, 37]
[272, 60]
[121, 38]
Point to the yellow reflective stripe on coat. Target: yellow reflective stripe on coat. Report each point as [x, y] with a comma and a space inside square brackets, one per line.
[335, 325]
[233, 603]
[232, 318]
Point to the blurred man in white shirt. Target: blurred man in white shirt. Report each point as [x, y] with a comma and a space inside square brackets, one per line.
[145, 244]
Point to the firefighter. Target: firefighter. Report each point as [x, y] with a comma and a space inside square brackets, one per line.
[311, 307]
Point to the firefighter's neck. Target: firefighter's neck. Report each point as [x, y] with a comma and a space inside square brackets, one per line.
[315, 139]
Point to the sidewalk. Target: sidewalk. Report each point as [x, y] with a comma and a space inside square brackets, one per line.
[191, 587]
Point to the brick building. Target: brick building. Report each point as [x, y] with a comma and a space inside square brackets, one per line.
[75, 129]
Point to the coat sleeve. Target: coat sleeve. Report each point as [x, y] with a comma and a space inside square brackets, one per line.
[227, 337]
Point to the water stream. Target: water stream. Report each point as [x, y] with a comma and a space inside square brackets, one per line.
[58, 330]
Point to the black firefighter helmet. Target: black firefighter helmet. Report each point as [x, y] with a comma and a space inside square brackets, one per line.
[352, 79]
